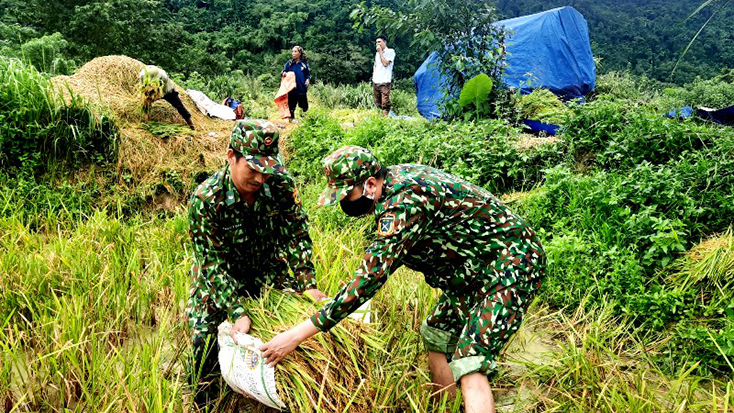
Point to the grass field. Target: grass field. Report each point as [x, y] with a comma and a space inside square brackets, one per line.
[636, 313]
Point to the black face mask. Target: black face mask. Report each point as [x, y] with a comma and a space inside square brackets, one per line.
[358, 207]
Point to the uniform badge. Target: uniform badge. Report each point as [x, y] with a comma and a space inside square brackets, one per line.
[268, 141]
[296, 196]
[386, 224]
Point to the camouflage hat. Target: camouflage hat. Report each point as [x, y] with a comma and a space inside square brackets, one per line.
[258, 142]
[346, 168]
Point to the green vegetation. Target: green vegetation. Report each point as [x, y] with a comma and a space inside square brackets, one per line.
[38, 125]
[634, 209]
[213, 38]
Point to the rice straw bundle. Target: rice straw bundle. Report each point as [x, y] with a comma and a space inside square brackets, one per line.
[330, 372]
[150, 90]
[709, 264]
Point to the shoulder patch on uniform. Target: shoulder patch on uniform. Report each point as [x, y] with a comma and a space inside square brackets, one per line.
[386, 224]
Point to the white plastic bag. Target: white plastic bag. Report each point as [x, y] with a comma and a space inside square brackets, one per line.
[244, 369]
[209, 107]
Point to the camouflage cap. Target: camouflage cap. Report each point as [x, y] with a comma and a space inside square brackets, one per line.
[346, 168]
[257, 140]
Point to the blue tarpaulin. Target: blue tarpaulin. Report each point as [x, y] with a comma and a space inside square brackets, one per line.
[723, 116]
[684, 112]
[549, 49]
[538, 127]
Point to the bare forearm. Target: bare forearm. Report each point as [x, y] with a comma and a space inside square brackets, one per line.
[284, 343]
[305, 330]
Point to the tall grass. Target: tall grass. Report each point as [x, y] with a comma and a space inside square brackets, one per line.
[37, 125]
[359, 96]
[92, 315]
[602, 367]
[91, 318]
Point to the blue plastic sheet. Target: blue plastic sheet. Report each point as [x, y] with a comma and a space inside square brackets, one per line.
[723, 116]
[549, 49]
[537, 126]
[684, 112]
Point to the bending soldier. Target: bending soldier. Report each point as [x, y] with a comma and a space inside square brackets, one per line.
[483, 256]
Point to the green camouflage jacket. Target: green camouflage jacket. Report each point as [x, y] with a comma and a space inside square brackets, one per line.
[435, 223]
[238, 247]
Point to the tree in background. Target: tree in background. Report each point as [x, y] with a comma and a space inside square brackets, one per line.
[708, 3]
[460, 31]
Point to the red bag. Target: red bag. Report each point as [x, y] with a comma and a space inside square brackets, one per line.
[239, 112]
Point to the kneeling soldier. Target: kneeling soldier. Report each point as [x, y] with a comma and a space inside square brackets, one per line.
[247, 228]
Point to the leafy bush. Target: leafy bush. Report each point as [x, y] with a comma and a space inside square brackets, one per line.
[48, 54]
[712, 343]
[620, 135]
[624, 86]
[34, 202]
[318, 136]
[36, 123]
[344, 96]
[716, 93]
[482, 152]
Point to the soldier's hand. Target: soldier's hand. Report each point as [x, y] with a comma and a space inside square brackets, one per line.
[316, 294]
[279, 347]
[242, 325]
[284, 343]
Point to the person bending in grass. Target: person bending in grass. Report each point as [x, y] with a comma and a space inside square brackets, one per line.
[155, 84]
[247, 228]
[483, 256]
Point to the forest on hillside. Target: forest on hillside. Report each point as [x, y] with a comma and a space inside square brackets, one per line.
[211, 37]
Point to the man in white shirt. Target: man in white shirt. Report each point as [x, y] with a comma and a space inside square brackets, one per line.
[382, 74]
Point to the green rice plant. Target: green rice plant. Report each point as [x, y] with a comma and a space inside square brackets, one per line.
[166, 130]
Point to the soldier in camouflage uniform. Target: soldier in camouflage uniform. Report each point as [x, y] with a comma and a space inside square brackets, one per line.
[247, 228]
[464, 240]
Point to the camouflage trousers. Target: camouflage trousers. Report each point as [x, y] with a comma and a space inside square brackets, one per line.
[472, 326]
